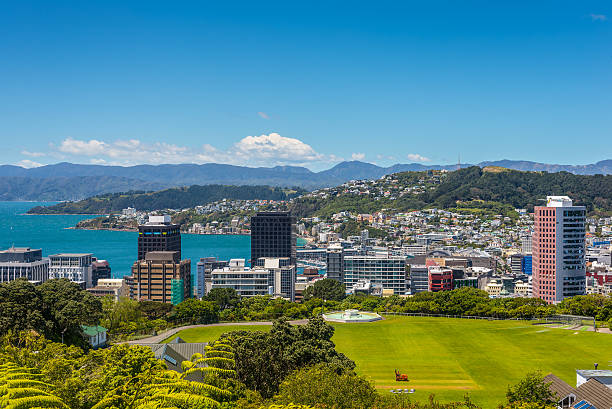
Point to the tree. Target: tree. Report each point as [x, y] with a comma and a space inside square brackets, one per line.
[118, 312]
[68, 307]
[154, 310]
[264, 359]
[56, 309]
[196, 311]
[21, 308]
[321, 385]
[531, 389]
[224, 297]
[326, 289]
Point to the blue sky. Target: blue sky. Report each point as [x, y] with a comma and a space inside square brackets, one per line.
[305, 83]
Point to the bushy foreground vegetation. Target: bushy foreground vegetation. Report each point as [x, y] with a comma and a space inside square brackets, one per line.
[288, 367]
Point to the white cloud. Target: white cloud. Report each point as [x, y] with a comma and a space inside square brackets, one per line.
[263, 115]
[87, 148]
[27, 163]
[598, 17]
[358, 156]
[417, 158]
[264, 150]
[32, 154]
[274, 147]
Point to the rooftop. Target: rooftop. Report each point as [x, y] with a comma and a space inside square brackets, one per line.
[71, 255]
[18, 250]
[558, 201]
[589, 373]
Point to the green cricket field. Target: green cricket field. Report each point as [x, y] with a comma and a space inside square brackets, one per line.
[451, 357]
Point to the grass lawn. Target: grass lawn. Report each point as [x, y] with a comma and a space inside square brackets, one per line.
[208, 334]
[452, 357]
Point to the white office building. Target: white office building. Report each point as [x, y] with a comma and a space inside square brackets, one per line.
[75, 267]
[388, 271]
[270, 276]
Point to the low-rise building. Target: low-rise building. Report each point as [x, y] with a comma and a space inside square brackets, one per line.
[95, 335]
[75, 267]
[281, 276]
[274, 276]
[114, 287]
[205, 267]
[23, 263]
[419, 278]
[100, 269]
[246, 281]
[440, 278]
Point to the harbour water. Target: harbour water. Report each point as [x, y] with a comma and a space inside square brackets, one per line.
[51, 233]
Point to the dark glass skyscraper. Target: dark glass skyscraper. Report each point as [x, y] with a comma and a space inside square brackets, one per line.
[159, 234]
[273, 234]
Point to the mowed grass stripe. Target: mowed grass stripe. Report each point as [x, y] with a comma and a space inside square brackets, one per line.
[451, 357]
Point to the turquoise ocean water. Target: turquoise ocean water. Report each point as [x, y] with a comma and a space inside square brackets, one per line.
[50, 233]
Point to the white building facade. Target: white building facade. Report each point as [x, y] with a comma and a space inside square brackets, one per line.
[75, 267]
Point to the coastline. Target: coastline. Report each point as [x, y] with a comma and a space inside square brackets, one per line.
[136, 230]
[61, 214]
[100, 228]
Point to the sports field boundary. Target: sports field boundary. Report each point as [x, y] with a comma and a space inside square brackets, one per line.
[572, 322]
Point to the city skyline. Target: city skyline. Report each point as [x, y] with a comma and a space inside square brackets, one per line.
[279, 84]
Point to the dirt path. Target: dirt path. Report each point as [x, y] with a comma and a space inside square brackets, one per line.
[156, 339]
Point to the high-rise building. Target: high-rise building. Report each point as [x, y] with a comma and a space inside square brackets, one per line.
[558, 248]
[75, 267]
[205, 267]
[162, 276]
[273, 234]
[388, 271]
[158, 234]
[23, 262]
[335, 262]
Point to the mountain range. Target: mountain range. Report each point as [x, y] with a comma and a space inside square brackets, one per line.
[68, 181]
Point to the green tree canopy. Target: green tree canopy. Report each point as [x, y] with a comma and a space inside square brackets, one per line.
[197, 311]
[326, 289]
[263, 359]
[531, 389]
[321, 385]
[224, 297]
[54, 308]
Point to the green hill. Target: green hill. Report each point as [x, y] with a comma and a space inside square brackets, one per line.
[176, 198]
[495, 188]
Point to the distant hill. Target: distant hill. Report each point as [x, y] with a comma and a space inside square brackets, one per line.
[474, 187]
[22, 188]
[47, 181]
[521, 189]
[174, 198]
